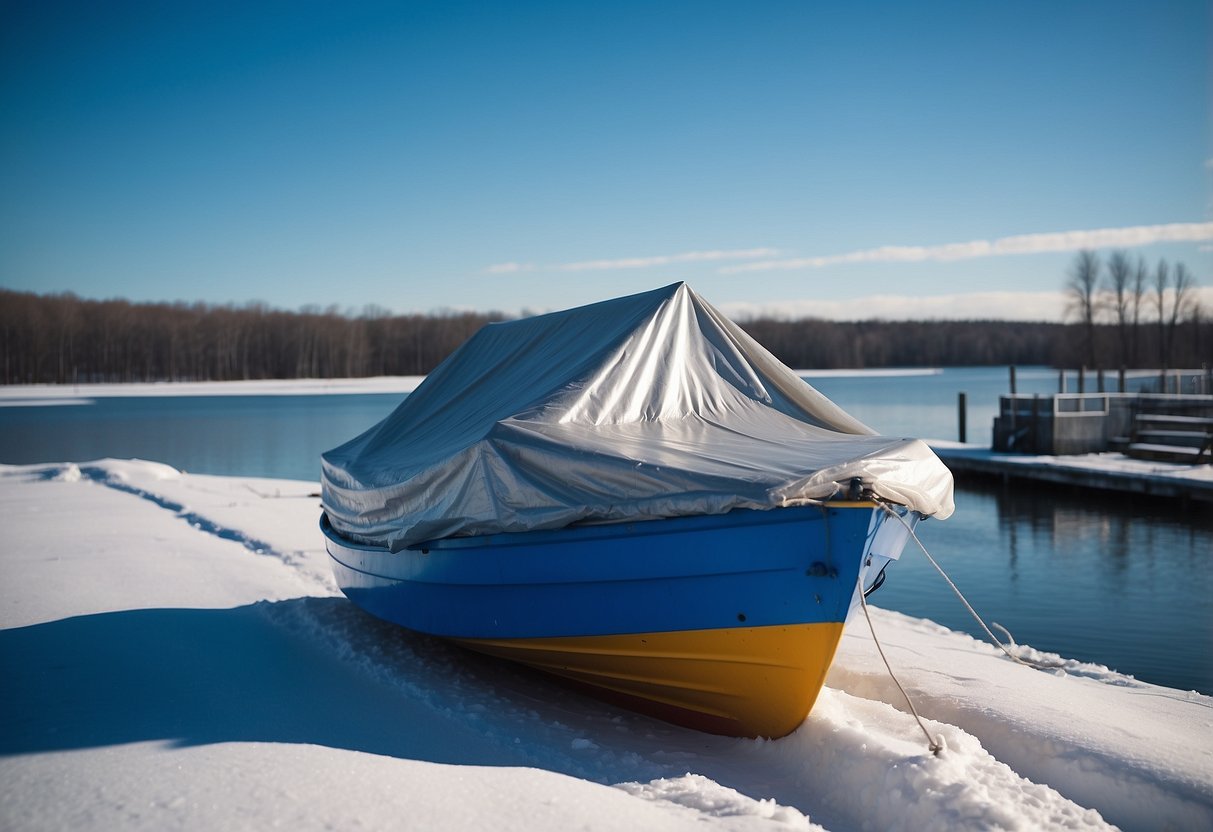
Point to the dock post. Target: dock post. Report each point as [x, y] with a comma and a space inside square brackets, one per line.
[1082, 379]
[1061, 381]
[1100, 378]
[1121, 383]
[1036, 424]
[1013, 441]
[960, 414]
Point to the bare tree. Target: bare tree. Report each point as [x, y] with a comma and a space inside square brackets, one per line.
[1083, 291]
[1120, 275]
[1140, 275]
[1181, 303]
[1161, 279]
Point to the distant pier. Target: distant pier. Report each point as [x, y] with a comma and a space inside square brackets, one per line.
[1154, 440]
[1101, 471]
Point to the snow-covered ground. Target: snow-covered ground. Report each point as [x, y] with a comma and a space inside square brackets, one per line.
[17, 395]
[174, 654]
[877, 372]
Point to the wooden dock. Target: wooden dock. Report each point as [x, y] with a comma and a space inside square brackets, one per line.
[1102, 471]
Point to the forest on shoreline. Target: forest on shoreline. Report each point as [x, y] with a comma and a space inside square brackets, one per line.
[64, 339]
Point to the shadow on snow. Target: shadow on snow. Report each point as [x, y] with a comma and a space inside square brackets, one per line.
[198, 676]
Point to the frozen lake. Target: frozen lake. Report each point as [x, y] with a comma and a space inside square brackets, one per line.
[1113, 580]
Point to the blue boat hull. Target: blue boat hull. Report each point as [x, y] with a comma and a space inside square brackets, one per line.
[692, 615]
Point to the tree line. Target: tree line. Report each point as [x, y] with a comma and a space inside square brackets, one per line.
[820, 344]
[65, 339]
[1133, 315]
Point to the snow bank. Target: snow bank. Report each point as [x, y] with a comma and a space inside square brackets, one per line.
[1141, 753]
[44, 394]
[877, 372]
[175, 655]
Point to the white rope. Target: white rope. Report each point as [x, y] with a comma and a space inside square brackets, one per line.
[960, 595]
[936, 745]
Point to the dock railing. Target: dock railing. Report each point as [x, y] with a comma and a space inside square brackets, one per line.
[1081, 423]
[1196, 381]
[1108, 417]
[1064, 423]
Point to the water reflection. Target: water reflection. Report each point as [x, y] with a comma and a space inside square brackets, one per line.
[1116, 580]
[258, 436]
[1067, 523]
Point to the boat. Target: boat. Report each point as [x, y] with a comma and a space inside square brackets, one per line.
[633, 496]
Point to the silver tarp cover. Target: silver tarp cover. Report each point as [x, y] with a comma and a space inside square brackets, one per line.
[653, 405]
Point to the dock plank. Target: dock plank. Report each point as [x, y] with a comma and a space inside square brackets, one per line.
[1104, 472]
[1166, 419]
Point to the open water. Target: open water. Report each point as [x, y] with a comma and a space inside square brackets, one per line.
[1125, 582]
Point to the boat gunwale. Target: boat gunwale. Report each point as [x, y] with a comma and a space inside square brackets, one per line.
[587, 531]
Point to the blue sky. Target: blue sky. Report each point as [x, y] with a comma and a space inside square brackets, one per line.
[833, 159]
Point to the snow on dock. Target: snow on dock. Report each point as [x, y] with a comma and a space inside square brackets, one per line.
[1102, 471]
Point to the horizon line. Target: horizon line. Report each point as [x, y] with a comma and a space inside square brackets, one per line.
[1049, 306]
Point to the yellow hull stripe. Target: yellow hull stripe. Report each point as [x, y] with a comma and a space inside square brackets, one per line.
[741, 681]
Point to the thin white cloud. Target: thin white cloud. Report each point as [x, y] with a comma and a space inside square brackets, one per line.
[509, 268]
[666, 259]
[972, 306]
[714, 255]
[1130, 237]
